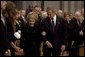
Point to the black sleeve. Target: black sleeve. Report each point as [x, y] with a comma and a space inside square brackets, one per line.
[43, 28]
[63, 38]
[10, 29]
[23, 35]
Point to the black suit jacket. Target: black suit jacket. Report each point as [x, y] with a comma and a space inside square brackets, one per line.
[69, 31]
[4, 42]
[30, 36]
[57, 37]
[76, 29]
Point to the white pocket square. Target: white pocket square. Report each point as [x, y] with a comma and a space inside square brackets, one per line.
[17, 35]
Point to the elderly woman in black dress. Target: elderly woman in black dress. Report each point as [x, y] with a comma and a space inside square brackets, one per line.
[30, 36]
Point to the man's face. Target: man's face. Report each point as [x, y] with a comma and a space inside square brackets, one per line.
[23, 12]
[78, 15]
[60, 13]
[50, 14]
[3, 5]
[38, 9]
[43, 14]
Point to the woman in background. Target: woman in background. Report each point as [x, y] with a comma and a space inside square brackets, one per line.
[11, 22]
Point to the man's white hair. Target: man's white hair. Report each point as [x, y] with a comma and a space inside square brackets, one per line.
[60, 11]
[78, 13]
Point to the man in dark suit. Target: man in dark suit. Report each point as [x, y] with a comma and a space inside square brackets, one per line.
[4, 42]
[53, 34]
[77, 29]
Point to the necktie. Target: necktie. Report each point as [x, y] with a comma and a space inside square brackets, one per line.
[78, 22]
[53, 25]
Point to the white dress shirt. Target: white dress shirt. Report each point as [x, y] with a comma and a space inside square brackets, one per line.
[54, 19]
[24, 19]
[2, 19]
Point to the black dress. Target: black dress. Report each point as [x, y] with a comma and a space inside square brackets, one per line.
[30, 40]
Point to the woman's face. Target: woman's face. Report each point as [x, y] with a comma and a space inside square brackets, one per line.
[49, 13]
[31, 21]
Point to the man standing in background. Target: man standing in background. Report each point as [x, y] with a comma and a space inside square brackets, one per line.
[4, 42]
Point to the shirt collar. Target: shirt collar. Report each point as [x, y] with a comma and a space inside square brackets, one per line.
[54, 18]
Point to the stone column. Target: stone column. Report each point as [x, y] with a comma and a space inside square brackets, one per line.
[65, 6]
[72, 7]
[54, 4]
[26, 4]
[82, 4]
[36, 3]
[18, 4]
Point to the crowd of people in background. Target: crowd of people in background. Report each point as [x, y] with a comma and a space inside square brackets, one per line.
[23, 31]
